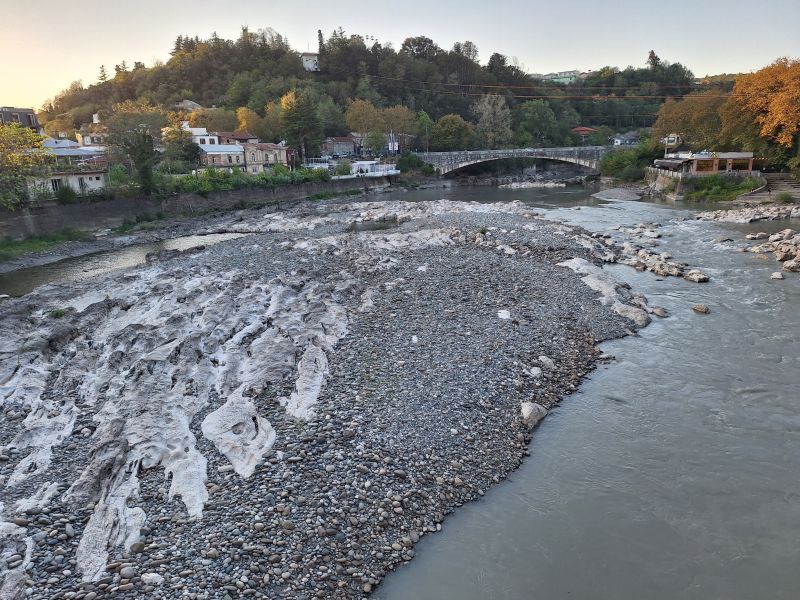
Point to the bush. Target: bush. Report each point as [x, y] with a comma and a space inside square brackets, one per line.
[343, 168]
[784, 198]
[66, 195]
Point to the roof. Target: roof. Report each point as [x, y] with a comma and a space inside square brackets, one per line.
[244, 135]
[583, 129]
[59, 143]
[266, 146]
[221, 148]
[343, 139]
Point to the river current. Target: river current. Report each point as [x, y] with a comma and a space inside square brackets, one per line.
[673, 472]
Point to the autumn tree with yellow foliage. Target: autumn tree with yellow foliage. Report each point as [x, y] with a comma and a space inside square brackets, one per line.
[21, 153]
[772, 97]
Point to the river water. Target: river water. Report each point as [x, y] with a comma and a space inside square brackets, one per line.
[674, 471]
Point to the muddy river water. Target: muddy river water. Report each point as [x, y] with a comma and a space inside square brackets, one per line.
[674, 471]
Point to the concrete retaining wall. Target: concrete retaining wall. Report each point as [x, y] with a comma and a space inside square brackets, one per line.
[51, 218]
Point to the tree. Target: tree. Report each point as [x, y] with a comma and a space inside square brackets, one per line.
[61, 126]
[300, 123]
[696, 118]
[772, 96]
[272, 122]
[21, 153]
[214, 119]
[420, 47]
[103, 75]
[537, 124]
[134, 129]
[178, 146]
[331, 117]
[425, 126]
[494, 120]
[362, 116]
[653, 61]
[402, 122]
[451, 132]
[251, 122]
[375, 142]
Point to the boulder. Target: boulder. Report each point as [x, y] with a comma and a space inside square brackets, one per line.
[532, 413]
[696, 276]
[776, 275]
[701, 308]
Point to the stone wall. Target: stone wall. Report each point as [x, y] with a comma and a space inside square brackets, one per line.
[51, 217]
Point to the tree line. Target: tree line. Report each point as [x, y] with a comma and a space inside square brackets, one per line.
[458, 101]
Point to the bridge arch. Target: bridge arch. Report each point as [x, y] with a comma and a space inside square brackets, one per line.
[447, 162]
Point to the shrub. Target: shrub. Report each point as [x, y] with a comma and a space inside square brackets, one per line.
[66, 195]
[785, 198]
[343, 168]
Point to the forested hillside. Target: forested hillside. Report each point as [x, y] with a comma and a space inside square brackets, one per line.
[255, 71]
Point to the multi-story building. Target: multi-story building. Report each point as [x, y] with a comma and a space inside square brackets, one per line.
[23, 116]
[339, 146]
[222, 156]
[260, 157]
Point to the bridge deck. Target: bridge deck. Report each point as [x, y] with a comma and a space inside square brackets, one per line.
[445, 162]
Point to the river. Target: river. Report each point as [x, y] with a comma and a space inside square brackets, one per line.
[674, 471]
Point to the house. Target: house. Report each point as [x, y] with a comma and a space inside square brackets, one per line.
[625, 139]
[92, 134]
[562, 76]
[583, 132]
[188, 105]
[232, 137]
[81, 168]
[200, 135]
[310, 61]
[24, 116]
[260, 156]
[706, 163]
[220, 156]
[339, 146]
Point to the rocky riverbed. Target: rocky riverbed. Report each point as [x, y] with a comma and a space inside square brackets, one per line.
[286, 414]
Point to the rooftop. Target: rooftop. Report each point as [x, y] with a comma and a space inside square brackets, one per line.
[221, 148]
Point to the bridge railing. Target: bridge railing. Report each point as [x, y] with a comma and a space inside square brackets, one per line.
[465, 156]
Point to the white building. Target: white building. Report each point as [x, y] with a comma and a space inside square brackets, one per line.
[310, 61]
[200, 135]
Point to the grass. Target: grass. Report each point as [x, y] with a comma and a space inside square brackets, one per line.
[12, 248]
[718, 188]
[784, 198]
[56, 313]
[140, 222]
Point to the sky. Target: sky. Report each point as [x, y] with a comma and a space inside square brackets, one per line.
[47, 46]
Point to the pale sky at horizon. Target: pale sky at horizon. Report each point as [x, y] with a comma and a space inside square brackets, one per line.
[45, 49]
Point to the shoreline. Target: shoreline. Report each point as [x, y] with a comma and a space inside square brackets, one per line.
[419, 349]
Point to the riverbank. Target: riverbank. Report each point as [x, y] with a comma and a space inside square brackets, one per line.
[291, 411]
[159, 227]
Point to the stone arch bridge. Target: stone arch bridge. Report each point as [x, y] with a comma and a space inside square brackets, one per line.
[447, 162]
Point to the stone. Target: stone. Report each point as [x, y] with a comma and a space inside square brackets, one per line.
[696, 276]
[547, 363]
[152, 579]
[792, 265]
[701, 308]
[127, 572]
[659, 311]
[532, 413]
[776, 275]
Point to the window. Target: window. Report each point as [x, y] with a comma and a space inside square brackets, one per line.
[212, 141]
[15, 117]
[97, 178]
[254, 169]
[55, 184]
[238, 159]
[202, 140]
[82, 184]
[32, 120]
[252, 157]
[230, 159]
[214, 159]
